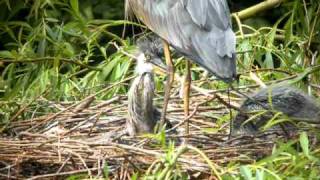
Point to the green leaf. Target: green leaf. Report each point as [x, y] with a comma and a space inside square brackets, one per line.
[304, 143]
[260, 174]
[108, 68]
[6, 54]
[75, 6]
[106, 171]
[269, 60]
[134, 176]
[246, 172]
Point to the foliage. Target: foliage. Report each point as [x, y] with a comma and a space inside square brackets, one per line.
[286, 161]
[64, 50]
[58, 49]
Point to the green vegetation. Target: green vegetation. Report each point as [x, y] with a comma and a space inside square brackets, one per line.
[53, 48]
[66, 50]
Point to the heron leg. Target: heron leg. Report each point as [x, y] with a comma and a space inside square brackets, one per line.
[170, 79]
[186, 94]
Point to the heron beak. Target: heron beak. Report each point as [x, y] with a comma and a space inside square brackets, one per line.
[159, 66]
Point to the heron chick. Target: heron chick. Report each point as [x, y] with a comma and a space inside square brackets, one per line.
[258, 110]
[143, 116]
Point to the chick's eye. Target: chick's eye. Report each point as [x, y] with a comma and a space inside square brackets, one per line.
[148, 57]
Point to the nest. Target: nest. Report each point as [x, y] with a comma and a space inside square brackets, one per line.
[87, 137]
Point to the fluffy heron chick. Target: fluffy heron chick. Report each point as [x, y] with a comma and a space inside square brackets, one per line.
[143, 116]
[258, 110]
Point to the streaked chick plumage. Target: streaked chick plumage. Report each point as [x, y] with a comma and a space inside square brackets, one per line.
[143, 116]
[284, 99]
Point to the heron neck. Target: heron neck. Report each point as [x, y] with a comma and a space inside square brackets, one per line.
[142, 66]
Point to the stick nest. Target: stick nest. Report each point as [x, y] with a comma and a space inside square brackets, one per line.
[85, 137]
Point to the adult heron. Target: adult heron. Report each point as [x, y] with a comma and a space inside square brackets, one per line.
[198, 29]
[143, 116]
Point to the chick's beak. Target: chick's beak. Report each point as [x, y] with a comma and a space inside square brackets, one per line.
[159, 66]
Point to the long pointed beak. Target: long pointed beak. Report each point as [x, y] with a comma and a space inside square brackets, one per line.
[159, 66]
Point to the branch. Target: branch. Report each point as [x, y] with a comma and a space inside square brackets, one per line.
[41, 59]
[253, 10]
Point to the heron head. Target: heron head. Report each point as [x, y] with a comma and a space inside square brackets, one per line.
[151, 51]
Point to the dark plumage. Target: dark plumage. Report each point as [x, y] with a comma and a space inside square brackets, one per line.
[143, 116]
[198, 29]
[291, 102]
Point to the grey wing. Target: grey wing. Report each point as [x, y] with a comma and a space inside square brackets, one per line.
[198, 29]
[206, 13]
[214, 16]
[215, 42]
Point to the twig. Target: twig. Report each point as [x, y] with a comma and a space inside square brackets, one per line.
[37, 60]
[62, 173]
[190, 116]
[123, 52]
[254, 10]
[85, 99]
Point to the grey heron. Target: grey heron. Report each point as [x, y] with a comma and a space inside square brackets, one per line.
[199, 29]
[143, 116]
[256, 111]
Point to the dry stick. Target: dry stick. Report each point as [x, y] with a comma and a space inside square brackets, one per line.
[191, 115]
[133, 164]
[94, 123]
[123, 51]
[62, 174]
[267, 69]
[96, 116]
[226, 103]
[64, 163]
[21, 111]
[154, 154]
[26, 105]
[8, 176]
[83, 105]
[255, 78]
[74, 105]
[71, 130]
[82, 160]
[85, 99]
[106, 103]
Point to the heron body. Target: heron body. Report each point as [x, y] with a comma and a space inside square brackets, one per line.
[199, 29]
[140, 105]
[143, 116]
[284, 99]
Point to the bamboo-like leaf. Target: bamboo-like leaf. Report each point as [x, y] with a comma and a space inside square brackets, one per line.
[6, 55]
[260, 175]
[246, 172]
[75, 6]
[304, 143]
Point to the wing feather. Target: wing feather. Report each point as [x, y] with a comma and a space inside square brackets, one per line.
[198, 29]
[206, 13]
[198, 10]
